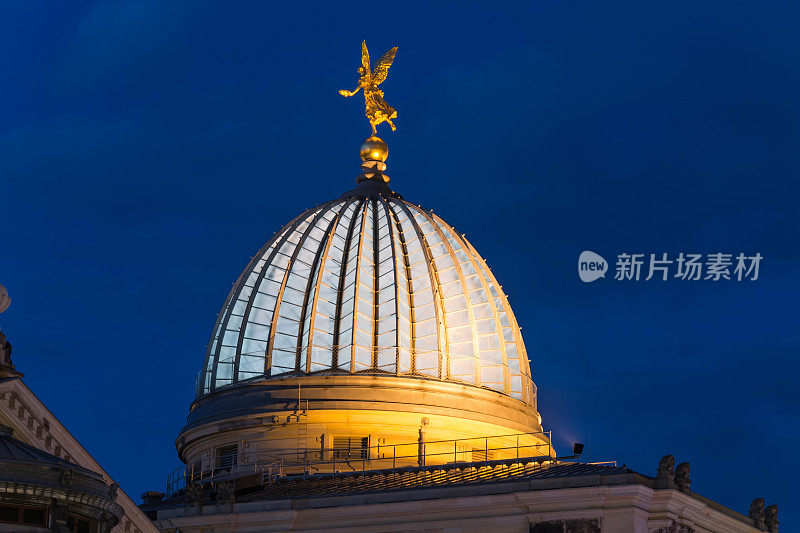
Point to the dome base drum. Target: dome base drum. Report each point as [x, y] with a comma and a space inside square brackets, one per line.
[313, 415]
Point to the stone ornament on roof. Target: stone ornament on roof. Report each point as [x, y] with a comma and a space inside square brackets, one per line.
[671, 477]
[6, 365]
[682, 479]
[771, 518]
[5, 301]
[5, 350]
[756, 513]
[665, 479]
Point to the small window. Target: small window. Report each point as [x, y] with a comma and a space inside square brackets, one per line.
[9, 513]
[33, 516]
[351, 447]
[79, 524]
[227, 456]
[18, 514]
[195, 470]
[365, 447]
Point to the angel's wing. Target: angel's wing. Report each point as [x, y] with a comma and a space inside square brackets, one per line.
[382, 66]
[365, 57]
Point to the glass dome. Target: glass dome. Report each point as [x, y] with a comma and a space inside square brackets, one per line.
[368, 283]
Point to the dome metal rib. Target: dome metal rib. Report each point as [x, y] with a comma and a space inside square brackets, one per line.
[368, 283]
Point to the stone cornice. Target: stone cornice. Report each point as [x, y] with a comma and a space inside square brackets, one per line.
[86, 504]
[507, 505]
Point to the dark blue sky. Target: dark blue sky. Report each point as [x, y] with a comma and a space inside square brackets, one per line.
[148, 149]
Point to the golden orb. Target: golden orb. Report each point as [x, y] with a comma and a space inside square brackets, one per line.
[374, 149]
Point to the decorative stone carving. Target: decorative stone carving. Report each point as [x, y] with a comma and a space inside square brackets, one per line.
[112, 491]
[682, 479]
[194, 494]
[105, 523]
[771, 518]
[666, 473]
[756, 513]
[5, 349]
[65, 479]
[225, 492]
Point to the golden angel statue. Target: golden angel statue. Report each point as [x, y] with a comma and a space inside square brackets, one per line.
[377, 109]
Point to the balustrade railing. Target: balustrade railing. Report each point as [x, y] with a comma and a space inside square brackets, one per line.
[266, 466]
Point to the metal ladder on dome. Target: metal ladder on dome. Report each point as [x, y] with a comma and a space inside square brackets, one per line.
[301, 415]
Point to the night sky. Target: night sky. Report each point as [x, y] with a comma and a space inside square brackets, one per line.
[149, 148]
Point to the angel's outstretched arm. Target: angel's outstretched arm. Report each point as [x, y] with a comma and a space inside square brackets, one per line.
[344, 92]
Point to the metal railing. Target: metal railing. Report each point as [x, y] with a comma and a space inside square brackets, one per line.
[266, 466]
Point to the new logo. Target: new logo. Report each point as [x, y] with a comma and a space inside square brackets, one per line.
[591, 266]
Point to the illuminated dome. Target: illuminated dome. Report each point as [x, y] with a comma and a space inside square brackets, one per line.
[368, 283]
[365, 320]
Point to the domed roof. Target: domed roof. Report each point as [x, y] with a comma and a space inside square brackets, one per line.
[13, 450]
[368, 283]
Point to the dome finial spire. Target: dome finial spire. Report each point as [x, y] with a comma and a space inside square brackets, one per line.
[374, 149]
[374, 152]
